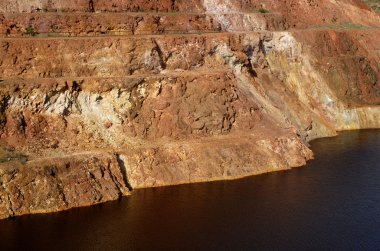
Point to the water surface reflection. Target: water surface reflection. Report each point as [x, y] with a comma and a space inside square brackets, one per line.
[333, 203]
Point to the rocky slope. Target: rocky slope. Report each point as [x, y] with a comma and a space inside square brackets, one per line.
[152, 93]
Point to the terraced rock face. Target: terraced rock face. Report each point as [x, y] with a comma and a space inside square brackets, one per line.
[151, 93]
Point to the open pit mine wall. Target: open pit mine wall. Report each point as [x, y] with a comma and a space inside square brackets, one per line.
[99, 116]
[298, 13]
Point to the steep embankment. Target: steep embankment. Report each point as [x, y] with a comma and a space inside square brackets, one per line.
[96, 104]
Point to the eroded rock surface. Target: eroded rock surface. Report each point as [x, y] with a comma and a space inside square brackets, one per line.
[49, 185]
[153, 93]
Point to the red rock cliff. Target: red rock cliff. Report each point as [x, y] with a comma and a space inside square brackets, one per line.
[151, 93]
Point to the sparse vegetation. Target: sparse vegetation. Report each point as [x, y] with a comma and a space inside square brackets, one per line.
[30, 31]
[8, 154]
[172, 11]
[139, 9]
[374, 4]
[344, 26]
[263, 10]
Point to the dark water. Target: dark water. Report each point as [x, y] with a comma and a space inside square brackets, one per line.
[332, 204]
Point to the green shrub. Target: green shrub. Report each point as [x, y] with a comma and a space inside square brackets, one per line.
[30, 31]
[263, 10]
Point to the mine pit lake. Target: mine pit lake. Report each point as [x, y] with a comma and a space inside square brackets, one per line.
[331, 204]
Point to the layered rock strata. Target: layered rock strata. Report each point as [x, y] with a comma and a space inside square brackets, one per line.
[94, 105]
